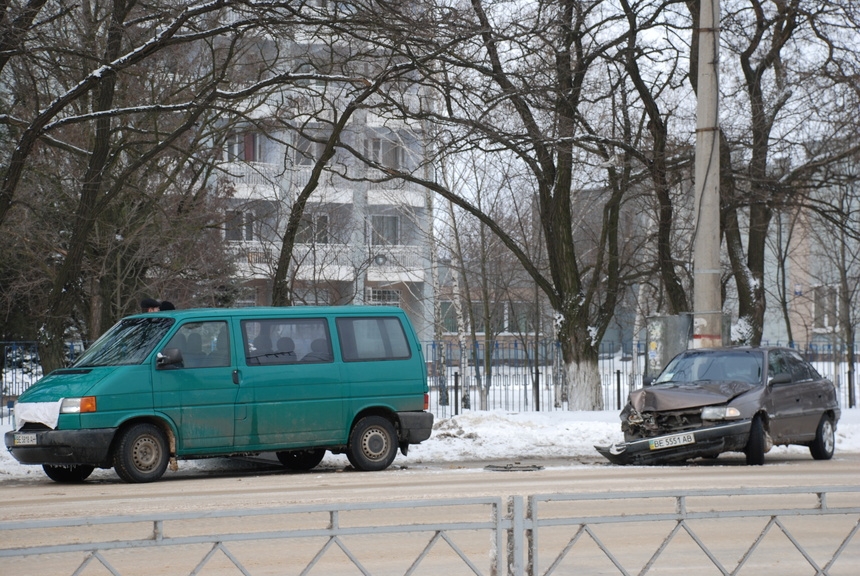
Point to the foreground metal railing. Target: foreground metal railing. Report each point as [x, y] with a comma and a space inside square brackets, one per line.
[623, 533]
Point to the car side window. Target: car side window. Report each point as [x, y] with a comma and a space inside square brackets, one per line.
[801, 371]
[280, 341]
[364, 339]
[776, 364]
[203, 344]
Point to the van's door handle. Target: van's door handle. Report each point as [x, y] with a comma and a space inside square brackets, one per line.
[236, 377]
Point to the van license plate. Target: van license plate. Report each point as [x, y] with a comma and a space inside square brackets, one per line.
[670, 441]
[25, 439]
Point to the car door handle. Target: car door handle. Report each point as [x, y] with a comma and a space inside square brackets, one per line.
[236, 377]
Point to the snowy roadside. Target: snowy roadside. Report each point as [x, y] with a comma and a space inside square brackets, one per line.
[491, 435]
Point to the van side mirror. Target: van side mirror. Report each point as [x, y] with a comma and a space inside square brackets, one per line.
[781, 378]
[169, 358]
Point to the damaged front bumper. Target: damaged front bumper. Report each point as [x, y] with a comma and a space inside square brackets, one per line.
[702, 442]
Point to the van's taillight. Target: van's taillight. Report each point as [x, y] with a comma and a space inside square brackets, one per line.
[427, 401]
[78, 405]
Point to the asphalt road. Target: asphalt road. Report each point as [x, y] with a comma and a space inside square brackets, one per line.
[255, 485]
[244, 484]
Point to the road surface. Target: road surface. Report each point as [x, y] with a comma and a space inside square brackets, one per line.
[255, 485]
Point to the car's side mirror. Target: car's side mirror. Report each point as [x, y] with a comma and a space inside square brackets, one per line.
[647, 381]
[781, 378]
[169, 358]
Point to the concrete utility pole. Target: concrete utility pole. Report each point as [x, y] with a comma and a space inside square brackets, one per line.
[707, 304]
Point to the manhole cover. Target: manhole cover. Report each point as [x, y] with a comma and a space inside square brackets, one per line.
[513, 467]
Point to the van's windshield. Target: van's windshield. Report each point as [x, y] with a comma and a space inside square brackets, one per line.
[129, 342]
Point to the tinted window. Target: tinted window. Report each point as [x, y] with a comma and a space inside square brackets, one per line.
[286, 341]
[203, 344]
[372, 339]
[801, 371]
[129, 342]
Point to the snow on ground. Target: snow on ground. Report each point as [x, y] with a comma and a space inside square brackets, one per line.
[491, 435]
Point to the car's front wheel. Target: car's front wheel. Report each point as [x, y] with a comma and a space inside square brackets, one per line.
[757, 443]
[141, 454]
[823, 446]
[68, 474]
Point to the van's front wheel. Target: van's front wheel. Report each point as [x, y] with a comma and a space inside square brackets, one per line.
[141, 454]
[372, 444]
[300, 459]
[68, 474]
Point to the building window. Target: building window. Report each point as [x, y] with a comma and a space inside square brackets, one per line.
[240, 226]
[449, 316]
[308, 151]
[379, 297]
[243, 146]
[313, 229]
[825, 307]
[373, 149]
[521, 318]
[385, 230]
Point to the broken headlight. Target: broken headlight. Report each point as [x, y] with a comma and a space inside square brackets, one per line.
[720, 413]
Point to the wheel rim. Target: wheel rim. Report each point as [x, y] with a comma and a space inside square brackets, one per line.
[374, 444]
[827, 436]
[146, 453]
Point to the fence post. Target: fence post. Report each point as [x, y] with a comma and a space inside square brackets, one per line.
[456, 393]
[618, 389]
[516, 534]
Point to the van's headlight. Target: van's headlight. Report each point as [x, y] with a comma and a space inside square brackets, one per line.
[720, 413]
[78, 405]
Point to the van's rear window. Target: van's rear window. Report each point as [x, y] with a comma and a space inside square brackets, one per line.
[129, 342]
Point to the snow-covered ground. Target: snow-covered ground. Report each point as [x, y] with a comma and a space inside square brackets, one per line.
[492, 435]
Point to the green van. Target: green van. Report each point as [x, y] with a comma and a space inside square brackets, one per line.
[165, 386]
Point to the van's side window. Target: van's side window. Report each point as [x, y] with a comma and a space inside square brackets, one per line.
[203, 344]
[363, 339]
[286, 341]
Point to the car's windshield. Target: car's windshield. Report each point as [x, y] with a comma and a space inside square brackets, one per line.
[129, 342]
[693, 366]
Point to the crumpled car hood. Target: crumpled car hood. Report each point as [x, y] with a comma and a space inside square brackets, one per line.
[679, 396]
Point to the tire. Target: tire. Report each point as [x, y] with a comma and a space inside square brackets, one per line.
[823, 446]
[372, 444]
[300, 459]
[68, 474]
[141, 454]
[755, 448]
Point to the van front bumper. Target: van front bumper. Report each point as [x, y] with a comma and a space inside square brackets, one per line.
[415, 427]
[90, 447]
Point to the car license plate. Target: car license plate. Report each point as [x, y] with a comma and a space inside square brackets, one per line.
[25, 439]
[670, 441]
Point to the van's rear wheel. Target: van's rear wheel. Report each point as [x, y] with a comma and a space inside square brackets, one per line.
[372, 444]
[300, 459]
[68, 474]
[141, 454]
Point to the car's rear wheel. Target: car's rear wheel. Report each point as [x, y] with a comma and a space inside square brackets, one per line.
[141, 455]
[756, 445]
[823, 446]
[68, 474]
[300, 459]
[372, 444]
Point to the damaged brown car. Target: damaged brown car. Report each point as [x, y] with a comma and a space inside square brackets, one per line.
[709, 401]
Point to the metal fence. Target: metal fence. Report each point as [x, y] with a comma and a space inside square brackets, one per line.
[511, 376]
[804, 530]
[506, 376]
